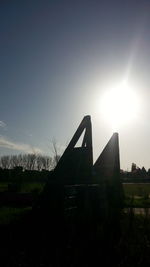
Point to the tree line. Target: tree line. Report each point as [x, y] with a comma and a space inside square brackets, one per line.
[29, 162]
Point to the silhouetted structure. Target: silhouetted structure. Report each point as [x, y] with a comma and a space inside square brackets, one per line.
[75, 165]
[79, 192]
[108, 163]
[107, 174]
[76, 219]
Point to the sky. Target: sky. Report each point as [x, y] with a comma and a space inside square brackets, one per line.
[58, 58]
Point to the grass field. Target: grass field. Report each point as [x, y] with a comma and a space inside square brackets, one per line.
[141, 190]
[3, 187]
[23, 187]
[32, 187]
[13, 214]
[136, 195]
[23, 240]
[10, 214]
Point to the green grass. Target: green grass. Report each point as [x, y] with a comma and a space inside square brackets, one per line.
[32, 187]
[13, 214]
[129, 189]
[24, 187]
[137, 202]
[137, 195]
[136, 189]
[10, 214]
[3, 187]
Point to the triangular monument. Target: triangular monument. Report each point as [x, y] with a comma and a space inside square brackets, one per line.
[106, 171]
[75, 165]
[108, 163]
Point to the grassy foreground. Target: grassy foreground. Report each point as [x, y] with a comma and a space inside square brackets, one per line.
[30, 241]
[136, 195]
[135, 189]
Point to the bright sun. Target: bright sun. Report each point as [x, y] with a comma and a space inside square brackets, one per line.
[120, 105]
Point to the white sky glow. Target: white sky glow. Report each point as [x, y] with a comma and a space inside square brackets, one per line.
[119, 106]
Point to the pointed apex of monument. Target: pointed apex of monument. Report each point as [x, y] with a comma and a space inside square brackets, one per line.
[77, 162]
[108, 161]
[88, 117]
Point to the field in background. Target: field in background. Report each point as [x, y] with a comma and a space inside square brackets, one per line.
[23, 240]
[13, 213]
[25, 187]
[135, 189]
[136, 195]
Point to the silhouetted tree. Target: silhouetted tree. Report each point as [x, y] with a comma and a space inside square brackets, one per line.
[144, 173]
[5, 162]
[28, 162]
[133, 167]
[56, 156]
[148, 172]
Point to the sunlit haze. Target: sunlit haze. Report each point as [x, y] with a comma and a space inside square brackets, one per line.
[120, 105]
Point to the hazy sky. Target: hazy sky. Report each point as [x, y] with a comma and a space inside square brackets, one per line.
[57, 58]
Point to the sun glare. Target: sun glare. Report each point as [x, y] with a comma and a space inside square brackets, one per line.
[119, 105]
